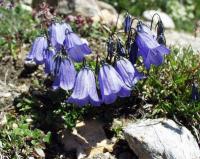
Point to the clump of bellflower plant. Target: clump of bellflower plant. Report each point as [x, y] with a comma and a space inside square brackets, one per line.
[115, 75]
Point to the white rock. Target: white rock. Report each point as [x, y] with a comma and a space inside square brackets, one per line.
[182, 39]
[161, 139]
[28, 2]
[166, 19]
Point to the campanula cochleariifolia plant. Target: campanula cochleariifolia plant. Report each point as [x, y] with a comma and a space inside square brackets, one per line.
[115, 76]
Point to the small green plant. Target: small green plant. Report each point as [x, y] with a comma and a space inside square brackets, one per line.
[15, 30]
[19, 139]
[169, 87]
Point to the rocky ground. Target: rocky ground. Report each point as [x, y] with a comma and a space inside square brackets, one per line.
[93, 137]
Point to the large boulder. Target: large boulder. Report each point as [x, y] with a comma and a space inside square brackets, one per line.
[166, 19]
[161, 139]
[98, 10]
[182, 39]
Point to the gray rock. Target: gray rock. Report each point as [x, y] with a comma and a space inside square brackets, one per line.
[161, 139]
[98, 10]
[166, 19]
[103, 5]
[83, 7]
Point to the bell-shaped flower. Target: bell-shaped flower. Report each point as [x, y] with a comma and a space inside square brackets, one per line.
[85, 91]
[133, 53]
[127, 23]
[120, 48]
[74, 47]
[111, 84]
[49, 60]
[110, 47]
[160, 32]
[151, 51]
[127, 71]
[56, 33]
[65, 73]
[38, 49]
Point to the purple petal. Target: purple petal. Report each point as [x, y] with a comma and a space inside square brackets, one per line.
[127, 23]
[68, 75]
[92, 91]
[57, 34]
[84, 91]
[111, 84]
[75, 47]
[153, 57]
[77, 53]
[124, 92]
[38, 50]
[151, 51]
[126, 71]
[48, 60]
[80, 92]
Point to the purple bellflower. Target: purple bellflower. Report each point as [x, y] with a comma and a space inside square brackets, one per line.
[85, 89]
[64, 73]
[150, 50]
[160, 33]
[57, 34]
[133, 54]
[111, 84]
[38, 50]
[128, 73]
[120, 48]
[49, 60]
[75, 48]
[110, 47]
[127, 23]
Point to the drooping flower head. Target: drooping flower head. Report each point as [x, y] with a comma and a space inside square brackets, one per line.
[110, 47]
[160, 33]
[75, 48]
[120, 48]
[111, 84]
[133, 54]
[56, 33]
[85, 91]
[127, 23]
[38, 50]
[49, 60]
[64, 73]
[151, 51]
[127, 71]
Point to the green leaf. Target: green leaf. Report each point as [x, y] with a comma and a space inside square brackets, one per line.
[47, 137]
